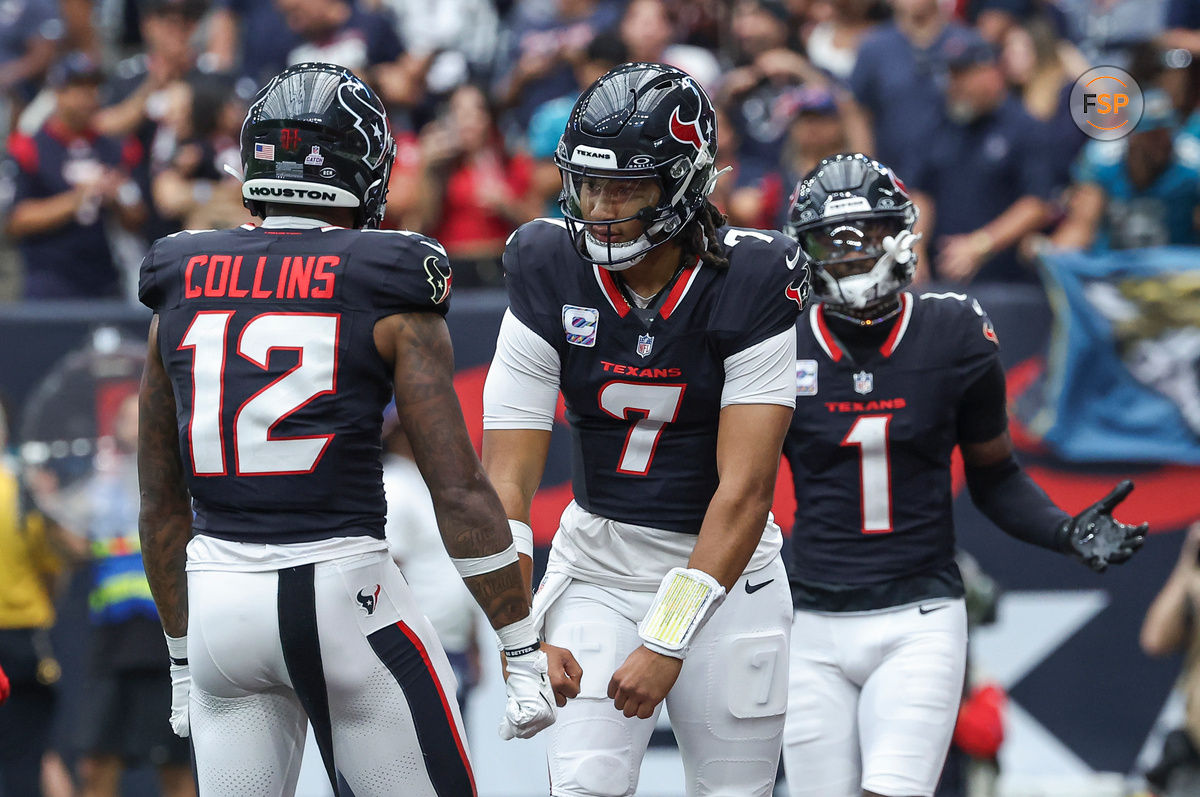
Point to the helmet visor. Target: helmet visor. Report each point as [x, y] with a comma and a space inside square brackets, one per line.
[597, 198]
[849, 246]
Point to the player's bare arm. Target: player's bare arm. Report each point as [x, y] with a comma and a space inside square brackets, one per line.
[514, 460]
[165, 520]
[469, 513]
[470, 516]
[749, 441]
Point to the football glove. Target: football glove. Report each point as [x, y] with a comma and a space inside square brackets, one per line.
[4, 687]
[530, 707]
[181, 685]
[1096, 538]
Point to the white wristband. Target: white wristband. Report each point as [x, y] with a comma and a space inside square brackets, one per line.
[522, 537]
[177, 649]
[519, 638]
[485, 564]
[685, 600]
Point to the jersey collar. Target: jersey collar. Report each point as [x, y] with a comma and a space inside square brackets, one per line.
[616, 299]
[833, 348]
[292, 222]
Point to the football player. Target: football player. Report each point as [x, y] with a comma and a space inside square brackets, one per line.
[272, 352]
[887, 384]
[671, 339]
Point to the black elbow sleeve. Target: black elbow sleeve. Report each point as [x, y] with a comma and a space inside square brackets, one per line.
[1015, 503]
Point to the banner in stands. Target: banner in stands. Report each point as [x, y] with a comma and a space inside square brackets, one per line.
[1124, 370]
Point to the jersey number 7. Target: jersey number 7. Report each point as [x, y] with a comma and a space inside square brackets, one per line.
[255, 451]
[660, 403]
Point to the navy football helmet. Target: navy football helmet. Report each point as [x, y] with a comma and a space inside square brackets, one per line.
[853, 219]
[316, 134]
[642, 140]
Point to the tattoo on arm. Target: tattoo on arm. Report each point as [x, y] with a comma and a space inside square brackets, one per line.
[469, 513]
[165, 520]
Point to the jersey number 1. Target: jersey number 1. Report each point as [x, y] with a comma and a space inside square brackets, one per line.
[255, 452]
[870, 434]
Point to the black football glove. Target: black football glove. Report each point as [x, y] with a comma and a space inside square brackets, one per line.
[1099, 540]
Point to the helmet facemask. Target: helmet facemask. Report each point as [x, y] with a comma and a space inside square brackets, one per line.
[601, 208]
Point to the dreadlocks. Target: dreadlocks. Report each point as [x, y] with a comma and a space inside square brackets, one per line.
[699, 237]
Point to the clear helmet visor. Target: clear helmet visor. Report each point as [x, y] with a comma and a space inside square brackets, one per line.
[848, 247]
[594, 198]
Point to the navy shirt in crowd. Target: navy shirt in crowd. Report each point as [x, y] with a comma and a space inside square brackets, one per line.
[73, 261]
[974, 172]
[902, 86]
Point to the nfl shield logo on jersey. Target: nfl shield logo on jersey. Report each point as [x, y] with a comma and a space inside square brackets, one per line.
[864, 382]
[579, 324]
[806, 377]
[645, 345]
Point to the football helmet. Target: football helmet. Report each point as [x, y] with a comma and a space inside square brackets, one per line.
[639, 146]
[316, 134]
[853, 219]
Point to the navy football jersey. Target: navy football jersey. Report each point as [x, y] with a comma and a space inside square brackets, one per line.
[643, 395]
[267, 335]
[870, 446]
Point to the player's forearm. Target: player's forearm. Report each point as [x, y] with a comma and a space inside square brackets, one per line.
[164, 539]
[732, 529]
[165, 518]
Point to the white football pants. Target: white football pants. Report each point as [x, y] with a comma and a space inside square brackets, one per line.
[340, 644]
[726, 708]
[873, 699]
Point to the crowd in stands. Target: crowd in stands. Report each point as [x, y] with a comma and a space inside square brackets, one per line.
[122, 116]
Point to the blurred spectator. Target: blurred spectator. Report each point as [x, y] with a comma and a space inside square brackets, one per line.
[748, 201]
[898, 83]
[544, 38]
[133, 99]
[1170, 626]
[1042, 70]
[754, 94]
[1106, 30]
[140, 95]
[28, 570]
[603, 52]
[192, 186]
[832, 44]
[338, 32]
[249, 37]
[417, 548]
[984, 170]
[648, 31]
[30, 31]
[1140, 191]
[450, 42]
[1182, 26]
[816, 132]
[67, 180]
[128, 692]
[472, 193]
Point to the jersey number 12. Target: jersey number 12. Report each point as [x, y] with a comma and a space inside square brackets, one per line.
[255, 451]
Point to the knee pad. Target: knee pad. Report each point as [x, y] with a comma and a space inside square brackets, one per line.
[593, 756]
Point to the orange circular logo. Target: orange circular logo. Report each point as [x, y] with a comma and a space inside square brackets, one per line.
[1106, 103]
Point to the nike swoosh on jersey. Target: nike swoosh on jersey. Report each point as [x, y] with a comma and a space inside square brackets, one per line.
[753, 588]
[928, 609]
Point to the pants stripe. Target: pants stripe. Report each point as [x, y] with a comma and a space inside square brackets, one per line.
[302, 654]
[402, 652]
